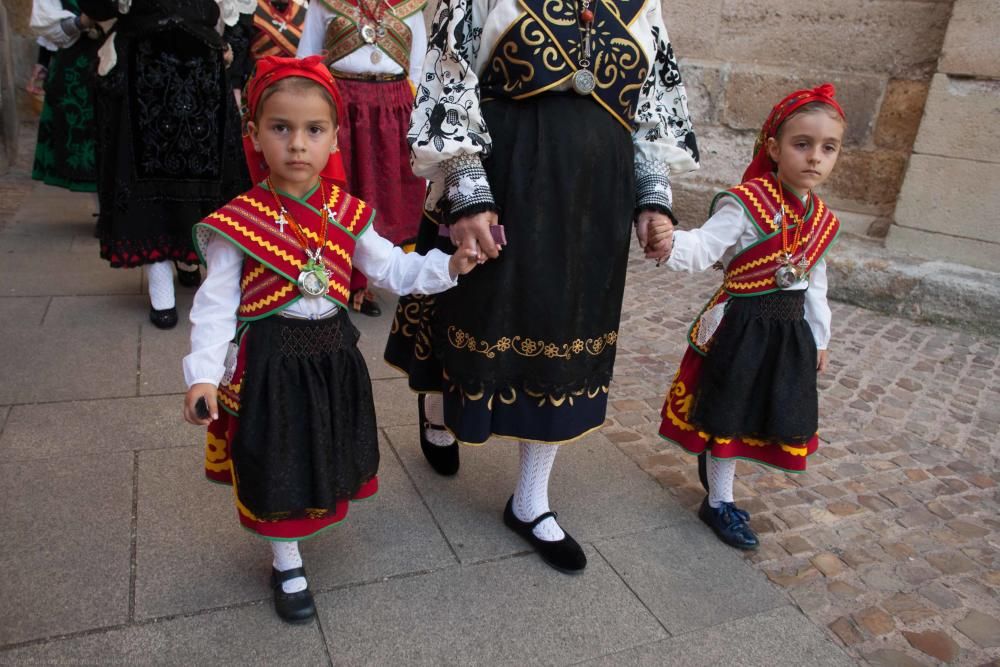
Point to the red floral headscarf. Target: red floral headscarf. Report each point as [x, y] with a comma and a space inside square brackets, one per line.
[762, 162]
[267, 72]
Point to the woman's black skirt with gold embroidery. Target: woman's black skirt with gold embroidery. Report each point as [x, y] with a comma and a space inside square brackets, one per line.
[524, 346]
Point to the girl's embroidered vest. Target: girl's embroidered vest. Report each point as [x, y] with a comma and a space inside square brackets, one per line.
[751, 271]
[273, 258]
[277, 33]
[343, 36]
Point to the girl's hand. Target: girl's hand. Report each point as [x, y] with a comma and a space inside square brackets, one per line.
[655, 233]
[462, 261]
[822, 361]
[201, 390]
[473, 233]
[227, 55]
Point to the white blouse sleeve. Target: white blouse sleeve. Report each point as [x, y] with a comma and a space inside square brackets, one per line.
[50, 22]
[698, 249]
[313, 30]
[418, 45]
[213, 314]
[388, 267]
[448, 136]
[817, 308]
[664, 139]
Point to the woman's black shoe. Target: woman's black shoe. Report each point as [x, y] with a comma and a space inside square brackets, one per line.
[188, 278]
[163, 319]
[443, 458]
[292, 607]
[565, 555]
[363, 301]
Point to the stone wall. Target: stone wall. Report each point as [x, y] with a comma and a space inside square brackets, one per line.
[739, 57]
[949, 207]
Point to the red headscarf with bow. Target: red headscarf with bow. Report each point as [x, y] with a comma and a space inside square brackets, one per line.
[267, 72]
[762, 162]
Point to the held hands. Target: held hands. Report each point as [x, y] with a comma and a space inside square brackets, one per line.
[655, 232]
[822, 361]
[472, 233]
[462, 261]
[201, 390]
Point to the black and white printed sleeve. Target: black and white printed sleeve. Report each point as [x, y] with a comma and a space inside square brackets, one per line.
[664, 140]
[448, 137]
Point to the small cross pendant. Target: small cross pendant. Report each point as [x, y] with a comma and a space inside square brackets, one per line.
[281, 223]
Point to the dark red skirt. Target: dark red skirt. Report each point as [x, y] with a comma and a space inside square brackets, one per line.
[377, 159]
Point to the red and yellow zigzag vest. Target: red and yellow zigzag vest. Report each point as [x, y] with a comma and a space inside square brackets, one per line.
[751, 272]
[274, 258]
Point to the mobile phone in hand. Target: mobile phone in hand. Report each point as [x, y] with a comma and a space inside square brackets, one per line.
[201, 408]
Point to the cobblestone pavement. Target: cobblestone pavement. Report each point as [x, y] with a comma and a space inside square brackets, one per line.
[891, 539]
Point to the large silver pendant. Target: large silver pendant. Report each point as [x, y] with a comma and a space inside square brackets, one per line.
[368, 33]
[313, 280]
[584, 82]
[376, 56]
[786, 276]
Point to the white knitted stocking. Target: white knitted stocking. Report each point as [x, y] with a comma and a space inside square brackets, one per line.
[531, 495]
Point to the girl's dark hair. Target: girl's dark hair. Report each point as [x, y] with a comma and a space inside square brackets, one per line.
[297, 84]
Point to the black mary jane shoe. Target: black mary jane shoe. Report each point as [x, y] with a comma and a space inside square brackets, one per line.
[565, 555]
[443, 458]
[366, 304]
[188, 278]
[163, 319]
[730, 524]
[292, 607]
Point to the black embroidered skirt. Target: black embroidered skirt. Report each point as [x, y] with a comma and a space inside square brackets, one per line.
[307, 437]
[524, 346]
[759, 378]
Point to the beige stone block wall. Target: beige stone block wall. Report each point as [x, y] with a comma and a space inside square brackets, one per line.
[972, 46]
[962, 119]
[739, 57]
[951, 196]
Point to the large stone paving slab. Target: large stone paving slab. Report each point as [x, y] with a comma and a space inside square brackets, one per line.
[192, 553]
[66, 545]
[32, 274]
[598, 491]
[163, 351]
[43, 364]
[781, 636]
[687, 578]
[515, 611]
[395, 404]
[121, 311]
[250, 635]
[49, 430]
[374, 331]
[17, 312]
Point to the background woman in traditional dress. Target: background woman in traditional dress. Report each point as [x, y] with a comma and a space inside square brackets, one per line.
[374, 48]
[65, 151]
[168, 135]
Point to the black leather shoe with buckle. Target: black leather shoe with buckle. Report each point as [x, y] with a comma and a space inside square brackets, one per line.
[443, 458]
[565, 555]
[292, 607]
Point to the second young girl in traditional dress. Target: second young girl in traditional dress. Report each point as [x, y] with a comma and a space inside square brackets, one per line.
[297, 437]
[746, 387]
[374, 48]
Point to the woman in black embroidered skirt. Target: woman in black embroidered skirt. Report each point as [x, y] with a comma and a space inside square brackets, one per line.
[168, 136]
[563, 141]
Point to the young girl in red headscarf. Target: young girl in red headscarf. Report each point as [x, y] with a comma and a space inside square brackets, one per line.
[746, 387]
[296, 435]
